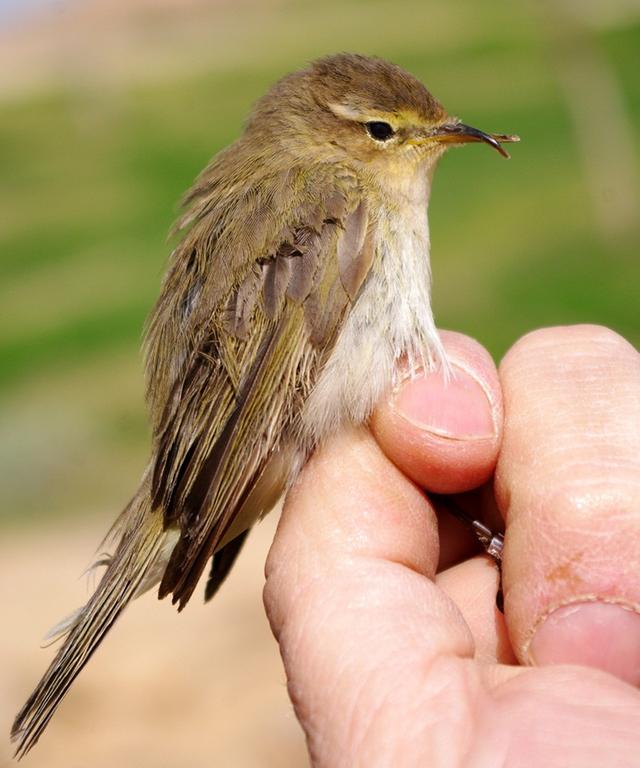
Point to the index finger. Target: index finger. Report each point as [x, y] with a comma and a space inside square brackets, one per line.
[350, 597]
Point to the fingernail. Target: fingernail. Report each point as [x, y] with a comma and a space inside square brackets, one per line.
[458, 408]
[597, 634]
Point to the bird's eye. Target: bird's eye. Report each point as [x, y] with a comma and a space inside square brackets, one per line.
[379, 131]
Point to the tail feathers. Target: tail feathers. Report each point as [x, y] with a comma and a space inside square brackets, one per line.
[142, 540]
[63, 627]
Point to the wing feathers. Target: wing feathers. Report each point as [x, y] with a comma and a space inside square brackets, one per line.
[221, 563]
[355, 250]
[225, 475]
[277, 274]
[244, 395]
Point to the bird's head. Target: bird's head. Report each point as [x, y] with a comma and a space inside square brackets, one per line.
[350, 107]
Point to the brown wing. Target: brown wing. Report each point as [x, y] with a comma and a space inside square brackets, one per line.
[239, 399]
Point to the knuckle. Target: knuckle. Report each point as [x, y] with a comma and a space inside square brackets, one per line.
[583, 336]
[588, 505]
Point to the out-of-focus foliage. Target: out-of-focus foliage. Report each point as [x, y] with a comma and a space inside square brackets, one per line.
[92, 170]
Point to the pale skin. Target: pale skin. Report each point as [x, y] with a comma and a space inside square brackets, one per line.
[386, 617]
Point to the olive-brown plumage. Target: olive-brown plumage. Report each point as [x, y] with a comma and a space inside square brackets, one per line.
[301, 280]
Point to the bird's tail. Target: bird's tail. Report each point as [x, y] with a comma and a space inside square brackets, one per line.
[133, 568]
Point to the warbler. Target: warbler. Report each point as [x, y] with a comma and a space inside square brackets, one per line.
[300, 285]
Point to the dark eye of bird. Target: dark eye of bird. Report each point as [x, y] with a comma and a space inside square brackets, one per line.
[379, 131]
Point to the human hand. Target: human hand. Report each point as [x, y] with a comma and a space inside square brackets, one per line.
[395, 652]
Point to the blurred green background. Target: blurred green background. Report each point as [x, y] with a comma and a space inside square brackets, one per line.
[96, 150]
[108, 110]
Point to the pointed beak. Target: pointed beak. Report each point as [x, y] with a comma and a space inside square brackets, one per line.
[459, 133]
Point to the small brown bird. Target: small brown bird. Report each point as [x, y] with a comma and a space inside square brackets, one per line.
[301, 281]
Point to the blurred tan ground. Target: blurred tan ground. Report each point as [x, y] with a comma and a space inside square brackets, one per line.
[203, 688]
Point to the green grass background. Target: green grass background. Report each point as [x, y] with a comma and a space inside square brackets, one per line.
[90, 177]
